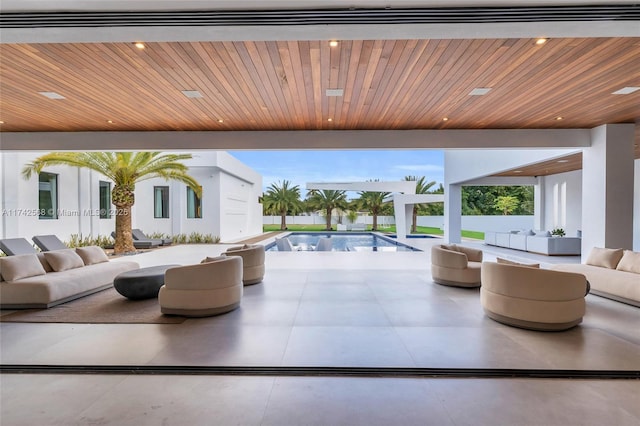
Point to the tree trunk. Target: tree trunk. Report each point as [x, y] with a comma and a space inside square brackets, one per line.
[283, 221]
[375, 222]
[123, 198]
[124, 239]
[328, 219]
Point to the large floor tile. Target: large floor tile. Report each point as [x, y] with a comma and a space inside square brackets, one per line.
[460, 347]
[341, 313]
[225, 344]
[107, 344]
[580, 348]
[538, 402]
[20, 342]
[353, 402]
[346, 346]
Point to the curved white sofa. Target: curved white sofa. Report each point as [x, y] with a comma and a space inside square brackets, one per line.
[47, 279]
[612, 273]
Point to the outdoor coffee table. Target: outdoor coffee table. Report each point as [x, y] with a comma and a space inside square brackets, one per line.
[143, 283]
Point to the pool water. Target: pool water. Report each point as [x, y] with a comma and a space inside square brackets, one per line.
[352, 241]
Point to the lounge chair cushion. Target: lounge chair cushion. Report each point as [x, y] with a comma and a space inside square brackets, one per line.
[16, 246]
[630, 262]
[92, 254]
[511, 262]
[213, 259]
[63, 260]
[20, 266]
[604, 257]
[49, 242]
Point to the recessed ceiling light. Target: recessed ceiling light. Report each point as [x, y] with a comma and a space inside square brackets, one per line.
[140, 45]
[191, 93]
[563, 161]
[1, 122]
[333, 43]
[541, 41]
[480, 91]
[626, 90]
[558, 118]
[329, 119]
[517, 171]
[220, 120]
[52, 95]
[445, 119]
[110, 121]
[335, 92]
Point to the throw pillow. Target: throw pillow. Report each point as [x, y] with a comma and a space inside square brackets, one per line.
[236, 248]
[511, 262]
[22, 266]
[213, 259]
[630, 262]
[604, 257]
[528, 232]
[45, 264]
[62, 260]
[92, 255]
[543, 234]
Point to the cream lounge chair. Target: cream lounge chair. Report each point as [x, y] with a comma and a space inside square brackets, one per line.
[205, 289]
[252, 261]
[455, 265]
[532, 298]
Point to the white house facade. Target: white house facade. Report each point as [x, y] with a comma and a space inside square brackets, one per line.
[65, 200]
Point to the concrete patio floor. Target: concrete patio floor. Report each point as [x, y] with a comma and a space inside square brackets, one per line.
[328, 309]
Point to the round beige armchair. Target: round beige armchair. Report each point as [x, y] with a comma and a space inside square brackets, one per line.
[204, 289]
[455, 265]
[532, 298]
[252, 261]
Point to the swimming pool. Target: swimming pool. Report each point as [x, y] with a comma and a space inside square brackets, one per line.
[351, 241]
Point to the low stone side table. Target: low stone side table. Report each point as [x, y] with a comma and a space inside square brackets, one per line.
[143, 283]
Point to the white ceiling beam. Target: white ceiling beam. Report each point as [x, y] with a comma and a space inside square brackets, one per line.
[296, 140]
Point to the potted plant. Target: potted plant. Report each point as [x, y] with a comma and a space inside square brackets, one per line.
[558, 232]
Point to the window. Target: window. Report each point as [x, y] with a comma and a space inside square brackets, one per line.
[161, 202]
[47, 196]
[194, 206]
[105, 200]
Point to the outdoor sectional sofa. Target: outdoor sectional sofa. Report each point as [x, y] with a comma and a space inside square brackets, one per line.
[47, 279]
[535, 242]
[612, 273]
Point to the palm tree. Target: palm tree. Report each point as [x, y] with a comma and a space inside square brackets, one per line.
[125, 169]
[374, 203]
[281, 198]
[327, 200]
[422, 187]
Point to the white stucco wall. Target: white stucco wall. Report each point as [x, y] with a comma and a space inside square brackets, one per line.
[78, 200]
[563, 202]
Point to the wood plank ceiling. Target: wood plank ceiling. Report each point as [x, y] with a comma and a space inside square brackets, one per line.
[281, 85]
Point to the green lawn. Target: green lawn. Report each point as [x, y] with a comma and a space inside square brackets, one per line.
[421, 230]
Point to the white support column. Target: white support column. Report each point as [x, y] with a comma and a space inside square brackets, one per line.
[538, 203]
[607, 188]
[452, 213]
[399, 206]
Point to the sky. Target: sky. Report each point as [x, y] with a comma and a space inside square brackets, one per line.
[300, 167]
